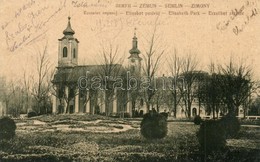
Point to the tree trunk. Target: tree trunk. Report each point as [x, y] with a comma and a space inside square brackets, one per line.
[245, 112]
[133, 108]
[199, 107]
[148, 106]
[175, 104]
[189, 109]
[214, 116]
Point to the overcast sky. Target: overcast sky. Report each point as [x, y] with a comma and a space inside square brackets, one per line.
[26, 26]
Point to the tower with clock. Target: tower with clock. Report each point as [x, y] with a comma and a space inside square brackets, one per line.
[134, 58]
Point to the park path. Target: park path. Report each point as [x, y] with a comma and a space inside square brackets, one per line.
[89, 126]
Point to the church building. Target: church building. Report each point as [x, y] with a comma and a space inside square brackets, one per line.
[71, 80]
[74, 91]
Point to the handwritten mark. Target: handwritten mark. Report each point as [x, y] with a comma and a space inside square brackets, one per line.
[240, 28]
[28, 5]
[248, 11]
[91, 3]
[108, 27]
[31, 26]
[112, 27]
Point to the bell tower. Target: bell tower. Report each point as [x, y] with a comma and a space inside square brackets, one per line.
[134, 58]
[68, 48]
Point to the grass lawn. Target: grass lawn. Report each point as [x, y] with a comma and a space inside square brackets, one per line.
[36, 144]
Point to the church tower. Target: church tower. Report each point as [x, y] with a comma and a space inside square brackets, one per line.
[68, 48]
[134, 58]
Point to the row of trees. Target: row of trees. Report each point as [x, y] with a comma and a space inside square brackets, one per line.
[32, 91]
[223, 87]
[228, 87]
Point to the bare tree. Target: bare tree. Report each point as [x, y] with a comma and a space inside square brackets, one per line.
[6, 93]
[236, 83]
[189, 73]
[13, 97]
[65, 87]
[41, 82]
[152, 59]
[109, 70]
[175, 64]
[209, 92]
[88, 93]
[27, 89]
[254, 108]
[163, 95]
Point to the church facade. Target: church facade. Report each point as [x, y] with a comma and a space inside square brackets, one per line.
[72, 94]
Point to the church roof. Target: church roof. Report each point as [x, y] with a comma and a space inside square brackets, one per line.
[72, 74]
[134, 49]
[68, 33]
[68, 30]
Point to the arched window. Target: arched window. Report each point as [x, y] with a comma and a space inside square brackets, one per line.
[65, 52]
[194, 111]
[74, 53]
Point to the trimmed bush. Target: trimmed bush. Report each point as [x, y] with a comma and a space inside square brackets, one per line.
[165, 114]
[197, 120]
[141, 113]
[114, 115]
[154, 126]
[211, 136]
[32, 114]
[135, 113]
[7, 128]
[102, 113]
[231, 124]
[125, 114]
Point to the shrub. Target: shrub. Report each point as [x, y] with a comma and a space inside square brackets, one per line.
[7, 128]
[97, 109]
[165, 114]
[32, 114]
[231, 125]
[141, 113]
[197, 120]
[102, 113]
[125, 114]
[211, 136]
[114, 115]
[154, 125]
[135, 113]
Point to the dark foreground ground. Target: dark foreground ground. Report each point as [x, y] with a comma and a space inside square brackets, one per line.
[96, 138]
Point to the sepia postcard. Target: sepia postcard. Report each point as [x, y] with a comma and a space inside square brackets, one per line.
[117, 80]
